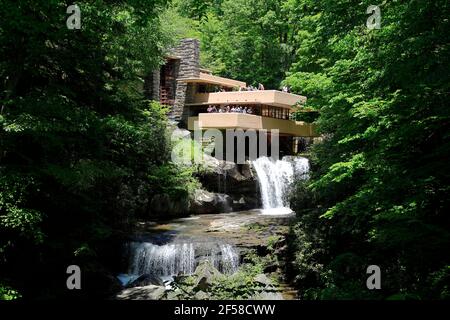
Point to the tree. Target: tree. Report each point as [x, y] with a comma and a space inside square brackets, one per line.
[380, 179]
[247, 42]
[78, 142]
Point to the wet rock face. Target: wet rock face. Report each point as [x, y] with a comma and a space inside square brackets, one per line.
[228, 177]
[236, 180]
[227, 187]
[243, 202]
[206, 202]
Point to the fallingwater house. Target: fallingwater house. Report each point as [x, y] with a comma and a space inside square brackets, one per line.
[193, 92]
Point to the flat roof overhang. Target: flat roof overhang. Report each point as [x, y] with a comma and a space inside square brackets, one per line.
[248, 121]
[211, 79]
[266, 97]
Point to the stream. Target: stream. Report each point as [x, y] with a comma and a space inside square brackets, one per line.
[177, 247]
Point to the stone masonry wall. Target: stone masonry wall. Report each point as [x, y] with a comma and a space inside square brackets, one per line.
[189, 53]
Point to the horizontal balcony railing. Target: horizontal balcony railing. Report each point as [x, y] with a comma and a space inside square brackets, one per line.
[247, 121]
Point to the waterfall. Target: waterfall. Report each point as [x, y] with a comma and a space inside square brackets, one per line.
[275, 179]
[180, 258]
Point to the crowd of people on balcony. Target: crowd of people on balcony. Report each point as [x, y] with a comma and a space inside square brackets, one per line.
[230, 109]
[265, 111]
[260, 87]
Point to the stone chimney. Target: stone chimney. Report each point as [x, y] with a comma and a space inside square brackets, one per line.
[189, 67]
[188, 51]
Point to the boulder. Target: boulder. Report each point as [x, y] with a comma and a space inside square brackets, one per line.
[178, 134]
[201, 295]
[224, 203]
[205, 275]
[150, 292]
[145, 280]
[174, 295]
[267, 296]
[262, 279]
[205, 202]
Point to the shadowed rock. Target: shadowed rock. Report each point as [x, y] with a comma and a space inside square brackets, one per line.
[164, 205]
[145, 280]
[150, 292]
[236, 180]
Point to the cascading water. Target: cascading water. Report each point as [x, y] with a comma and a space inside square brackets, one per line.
[180, 258]
[275, 178]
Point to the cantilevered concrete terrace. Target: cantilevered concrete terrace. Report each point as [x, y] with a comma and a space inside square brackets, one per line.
[249, 121]
[207, 78]
[263, 97]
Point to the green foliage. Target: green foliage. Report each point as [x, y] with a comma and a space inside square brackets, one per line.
[312, 85]
[247, 40]
[240, 285]
[379, 190]
[15, 217]
[440, 281]
[255, 227]
[197, 9]
[272, 241]
[81, 151]
[7, 293]
[177, 26]
[176, 181]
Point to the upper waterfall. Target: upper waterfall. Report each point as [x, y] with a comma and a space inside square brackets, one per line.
[275, 179]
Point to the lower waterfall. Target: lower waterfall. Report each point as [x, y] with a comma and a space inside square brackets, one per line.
[275, 179]
[180, 258]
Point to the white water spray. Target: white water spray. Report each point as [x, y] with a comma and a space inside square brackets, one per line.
[275, 180]
[180, 258]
